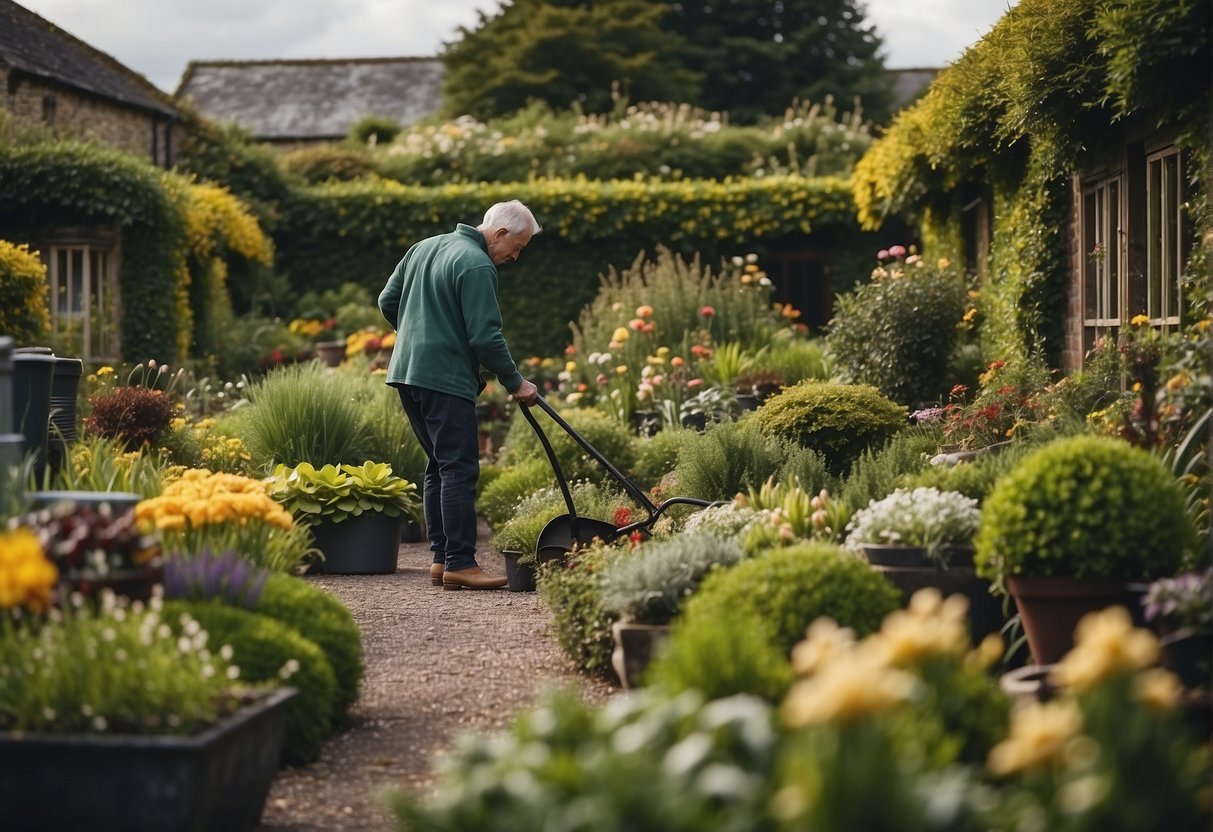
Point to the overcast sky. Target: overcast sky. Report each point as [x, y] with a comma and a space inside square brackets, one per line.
[159, 37]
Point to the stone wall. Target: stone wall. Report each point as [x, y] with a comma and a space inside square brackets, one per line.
[127, 128]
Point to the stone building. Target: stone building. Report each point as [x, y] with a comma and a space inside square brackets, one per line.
[53, 78]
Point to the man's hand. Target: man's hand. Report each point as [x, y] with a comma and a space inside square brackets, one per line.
[526, 393]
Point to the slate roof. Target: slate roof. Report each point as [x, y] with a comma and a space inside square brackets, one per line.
[34, 46]
[312, 100]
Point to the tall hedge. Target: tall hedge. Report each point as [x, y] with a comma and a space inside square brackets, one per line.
[359, 231]
[23, 312]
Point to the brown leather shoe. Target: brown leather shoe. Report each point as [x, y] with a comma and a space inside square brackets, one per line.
[436, 574]
[471, 578]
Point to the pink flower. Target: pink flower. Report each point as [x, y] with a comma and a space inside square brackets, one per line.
[645, 311]
[897, 251]
[602, 378]
[677, 361]
[883, 254]
[693, 383]
[707, 311]
[636, 324]
[647, 328]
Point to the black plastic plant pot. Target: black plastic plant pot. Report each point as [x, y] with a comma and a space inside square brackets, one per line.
[519, 577]
[214, 781]
[364, 545]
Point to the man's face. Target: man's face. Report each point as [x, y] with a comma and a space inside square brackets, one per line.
[504, 247]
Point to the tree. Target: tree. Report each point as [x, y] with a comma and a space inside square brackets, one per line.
[564, 53]
[756, 56]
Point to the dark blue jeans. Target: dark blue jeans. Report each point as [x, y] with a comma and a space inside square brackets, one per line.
[446, 427]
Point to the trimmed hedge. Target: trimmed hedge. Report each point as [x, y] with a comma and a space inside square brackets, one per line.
[23, 289]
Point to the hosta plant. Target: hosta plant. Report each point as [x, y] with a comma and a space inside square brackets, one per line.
[336, 493]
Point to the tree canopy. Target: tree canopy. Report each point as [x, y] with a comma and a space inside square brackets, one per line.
[564, 53]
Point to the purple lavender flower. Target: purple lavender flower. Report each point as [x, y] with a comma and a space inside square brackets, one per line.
[226, 577]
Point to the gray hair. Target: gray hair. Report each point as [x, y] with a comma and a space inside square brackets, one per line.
[512, 216]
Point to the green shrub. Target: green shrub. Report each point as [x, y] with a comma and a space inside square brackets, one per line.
[606, 435]
[327, 163]
[795, 359]
[23, 289]
[520, 531]
[303, 413]
[789, 588]
[878, 471]
[808, 468]
[264, 650]
[650, 586]
[500, 499]
[489, 472]
[839, 421]
[134, 415]
[657, 455]
[1085, 507]
[721, 657]
[974, 478]
[389, 436]
[377, 129]
[727, 459]
[897, 332]
[572, 591]
[322, 618]
[570, 765]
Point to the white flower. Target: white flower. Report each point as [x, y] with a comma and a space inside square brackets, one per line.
[922, 517]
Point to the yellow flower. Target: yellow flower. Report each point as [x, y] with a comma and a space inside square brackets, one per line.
[931, 626]
[1157, 688]
[1038, 735]
[621, 334]
[970, 315]
[621, 369]
[570, 366]
[105, 370]
[27, 576]
[824, 642]
[846, 691]
[1139, 320]
[1106, 645]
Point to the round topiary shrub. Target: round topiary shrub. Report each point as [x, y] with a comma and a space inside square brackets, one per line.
[23, 311]
[606, 435]
[789, 588]
[1084, 507]
[322, 618]
[839, 421]
[721, 657]
[266, 650]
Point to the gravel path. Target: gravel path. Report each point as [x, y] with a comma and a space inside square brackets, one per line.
[438, 663]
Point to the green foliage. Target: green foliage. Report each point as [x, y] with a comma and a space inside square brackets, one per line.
[321, 618]
[755, 58]
[583, 770]
[563, 54]
[839, 421]
[657, 455]
[374, 130]
[303, 413]
[267, 650]
[24, 316]
[389, 436]
[328, 163]
[898, 332]
[601, 431]
[521, 529]
[62, 184]
[727, 459]
[358, 231]
[333, 493]
[808, 468]
[650, 586]
[229, 155]
[721, 657]
[789, 588]
[961, 713]
[973, 478]
[572, 591]
[878, 471]
[134, 415]
[500, 499]
[100, 464]
[1084, 507]
[795, 359]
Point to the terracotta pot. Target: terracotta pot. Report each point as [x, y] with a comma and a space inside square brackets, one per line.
[331, 353]
[1051, 608]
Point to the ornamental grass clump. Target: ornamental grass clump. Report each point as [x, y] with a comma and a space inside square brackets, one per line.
[925, 517]
[727, 459]
[650, 586]
[1084, 507]
[206, 510]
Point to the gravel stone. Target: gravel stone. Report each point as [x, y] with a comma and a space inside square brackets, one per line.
[438, 664]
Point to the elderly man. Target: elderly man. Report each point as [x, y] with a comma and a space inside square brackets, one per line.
[442, 302]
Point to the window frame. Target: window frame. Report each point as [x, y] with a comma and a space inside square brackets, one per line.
[1164, 242]
[1102, 220]
[77, 268]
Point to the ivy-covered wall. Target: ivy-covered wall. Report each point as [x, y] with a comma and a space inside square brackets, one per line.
[1010, 119]
[357, 232]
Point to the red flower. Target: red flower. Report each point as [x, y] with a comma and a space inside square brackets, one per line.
[707, 311]
[960, 389]
[622, 516]
[636, 538]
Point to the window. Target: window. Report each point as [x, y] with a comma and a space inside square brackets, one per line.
[83, 299]
[1164, 237]
[1102, 267]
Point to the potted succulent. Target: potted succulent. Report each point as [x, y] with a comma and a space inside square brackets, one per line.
[1071, 526]
[1181, 609]
[923, 538]
[645, 592]
[115, 716]
[355, 512]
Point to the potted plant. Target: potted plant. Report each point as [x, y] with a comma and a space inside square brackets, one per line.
[645, 592]
[1181, 609]
[354, 511]
[114, 717]
[711, 404]
[1069, 528]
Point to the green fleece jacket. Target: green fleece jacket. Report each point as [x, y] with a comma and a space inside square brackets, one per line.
[442, 302]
